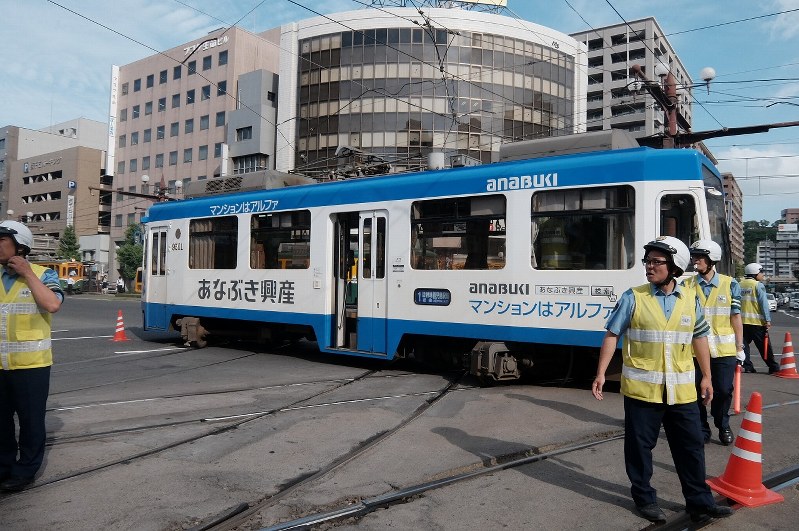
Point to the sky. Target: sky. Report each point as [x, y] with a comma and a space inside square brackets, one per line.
[57, 58]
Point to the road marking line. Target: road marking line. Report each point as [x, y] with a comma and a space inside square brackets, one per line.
[82, 337]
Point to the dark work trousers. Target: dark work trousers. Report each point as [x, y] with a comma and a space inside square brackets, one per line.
[722, 377]
[642, 421]
[24, 392]
[757, 334]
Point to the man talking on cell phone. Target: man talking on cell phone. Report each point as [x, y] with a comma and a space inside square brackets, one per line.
[29, 295]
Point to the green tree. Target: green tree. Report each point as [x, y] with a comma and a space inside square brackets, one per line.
[68, 247]
[754, 233]
[129, 254]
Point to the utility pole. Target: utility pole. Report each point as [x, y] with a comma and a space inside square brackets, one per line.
[665, 94]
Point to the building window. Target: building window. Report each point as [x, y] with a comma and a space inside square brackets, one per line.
[220, 118]
[249, 163]
[175, 100]
[202, 177]
[187, 154]
[136, 85]
[131, 218]
[204, 122]
[203, 152]
[223, 58]
[174, 128]
[159, 160]
[221, 88]
[189, 126]
[134, 165]
[217, 150]
[118, 220]
[173, 158]
[123, 141]
[162, 77]
[150, 81]
[134, 138]
[205, 92]
[270, 96]
[160, 132]
[189, 96]
[244, 133]
[207, 62]
[145, 163]
[148, 133]
[176, 72]
[161, 104]
[121, 167]
[192, 67]
[123, 115]
[148, 108]
[124, 89]
[135, 113]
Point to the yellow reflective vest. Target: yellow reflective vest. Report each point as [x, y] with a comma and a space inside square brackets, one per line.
[751, 312]
[657, 354]
[717, 307]
[24, 328]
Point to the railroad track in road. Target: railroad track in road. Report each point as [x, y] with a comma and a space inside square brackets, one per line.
[241, 513]
[88, 436]
[231, 425]
[236, 516]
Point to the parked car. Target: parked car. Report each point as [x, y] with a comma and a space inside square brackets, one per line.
[794, 304]
[772, 302]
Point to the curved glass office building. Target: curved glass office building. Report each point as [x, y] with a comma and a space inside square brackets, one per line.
[398, 86]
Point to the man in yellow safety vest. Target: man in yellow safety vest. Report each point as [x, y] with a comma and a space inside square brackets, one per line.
[29, 294]
[663, 327]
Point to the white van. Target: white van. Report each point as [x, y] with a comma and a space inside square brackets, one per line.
[794, 304]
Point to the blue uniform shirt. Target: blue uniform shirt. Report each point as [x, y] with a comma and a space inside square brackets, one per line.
[621, 315]
[762, 300]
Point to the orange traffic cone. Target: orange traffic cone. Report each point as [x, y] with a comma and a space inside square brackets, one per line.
[743, 479]
[119, 335]
[787, 363]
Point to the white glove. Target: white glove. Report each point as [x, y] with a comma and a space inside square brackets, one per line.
[740, 356]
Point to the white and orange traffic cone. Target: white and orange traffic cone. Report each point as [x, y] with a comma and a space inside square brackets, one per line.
[787, 361]
[119, 334]
[743, 479]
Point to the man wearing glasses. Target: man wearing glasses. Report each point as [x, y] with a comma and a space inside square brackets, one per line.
[663, 328]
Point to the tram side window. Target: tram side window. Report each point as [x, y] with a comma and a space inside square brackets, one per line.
[458, 233]
[584, 228]
[678, 217]
[281, 240]
[213, 243]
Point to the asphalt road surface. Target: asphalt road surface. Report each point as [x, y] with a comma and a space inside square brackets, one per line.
[149, 434]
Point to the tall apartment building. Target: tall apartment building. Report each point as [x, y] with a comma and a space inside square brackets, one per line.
[780, 258]
[612, 50]
[202, 109]
[734, 204]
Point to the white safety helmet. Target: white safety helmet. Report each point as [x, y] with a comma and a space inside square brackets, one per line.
[708, 248]
[753, 269]
[677, 250]
[19, 233]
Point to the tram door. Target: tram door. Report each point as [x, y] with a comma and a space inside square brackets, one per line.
[155, 280]
[360, 255]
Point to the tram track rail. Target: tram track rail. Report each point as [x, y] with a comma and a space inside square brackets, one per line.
[241, 513]
[238, 515]
[126, 460]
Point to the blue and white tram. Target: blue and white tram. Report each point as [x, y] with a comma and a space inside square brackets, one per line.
[509, 261]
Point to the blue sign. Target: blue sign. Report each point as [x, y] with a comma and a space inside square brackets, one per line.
[72, 185]
[432, 296]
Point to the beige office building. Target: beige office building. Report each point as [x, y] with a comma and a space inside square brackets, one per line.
[204, 109]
